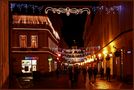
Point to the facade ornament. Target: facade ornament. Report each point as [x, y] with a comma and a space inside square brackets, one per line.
[67, 10]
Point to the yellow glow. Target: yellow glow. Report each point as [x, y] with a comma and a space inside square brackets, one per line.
[99, 55]
[105, 51]
[110, 55]
[112, 45]
[94, 55]
[89, 60]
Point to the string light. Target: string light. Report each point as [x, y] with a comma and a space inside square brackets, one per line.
[66, 10]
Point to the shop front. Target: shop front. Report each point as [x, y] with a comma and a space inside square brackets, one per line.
[29, 64]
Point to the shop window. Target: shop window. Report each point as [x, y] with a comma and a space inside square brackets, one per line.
[23, 41]
[34, 41]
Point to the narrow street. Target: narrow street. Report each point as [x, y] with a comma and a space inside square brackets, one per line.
[63, 83]
[66, 44]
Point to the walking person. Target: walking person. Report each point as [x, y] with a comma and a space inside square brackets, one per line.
[57, 73]
[95, 71]
[71, 75]
[84, 72]
[90, 73]
[76, 74]
[102, 72]
[108, 73]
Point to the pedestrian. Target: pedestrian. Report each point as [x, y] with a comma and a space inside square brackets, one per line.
[102, 72]
[57, 73]
[76, 74]
[95, 71]
[84, 72]
[108, 73]
[71, 75]
[90, 73]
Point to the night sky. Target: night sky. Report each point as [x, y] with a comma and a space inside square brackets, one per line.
[72, 25]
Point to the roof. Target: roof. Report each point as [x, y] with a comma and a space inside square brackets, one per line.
[34, 20]
[30, 19]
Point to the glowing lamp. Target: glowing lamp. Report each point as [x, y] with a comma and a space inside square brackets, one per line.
[50, 59]
[110, 55]
[99, 55]
[105, 52]
[59, 54]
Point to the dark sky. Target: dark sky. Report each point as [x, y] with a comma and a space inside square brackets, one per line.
[73, 27]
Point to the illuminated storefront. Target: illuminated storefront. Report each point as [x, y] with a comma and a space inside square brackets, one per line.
[29, 64]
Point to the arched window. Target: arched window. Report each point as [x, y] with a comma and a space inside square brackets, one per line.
[23, 41]
[34, 41]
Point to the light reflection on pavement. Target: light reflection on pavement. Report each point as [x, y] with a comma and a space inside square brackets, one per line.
[63, 82]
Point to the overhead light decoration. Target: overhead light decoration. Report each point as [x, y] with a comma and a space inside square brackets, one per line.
[67, 10]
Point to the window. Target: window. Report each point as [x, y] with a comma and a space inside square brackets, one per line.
[52, 45]
[23, 41]
[34, 41]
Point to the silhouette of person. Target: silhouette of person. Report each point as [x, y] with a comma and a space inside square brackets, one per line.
[102, 72]
[76, 74]
[70, 73]
[95, 71]
[84, 72]
[90, 72]
[57, 73]
[108, 73]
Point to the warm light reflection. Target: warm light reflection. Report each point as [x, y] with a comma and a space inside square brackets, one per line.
[89, 60]
[99, 55]
[94, 55]
[110, 54]
[105, 51]
[112, 45]
[103, 85]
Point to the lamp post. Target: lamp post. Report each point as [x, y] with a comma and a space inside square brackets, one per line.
[49, 62]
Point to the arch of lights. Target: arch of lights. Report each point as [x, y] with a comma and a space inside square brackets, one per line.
[67, 10]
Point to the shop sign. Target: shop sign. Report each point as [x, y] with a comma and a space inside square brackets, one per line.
[31, 58]
[129, 52]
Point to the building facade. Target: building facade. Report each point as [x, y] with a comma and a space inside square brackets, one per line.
[113, 32]
[33, 44]
[4, 49]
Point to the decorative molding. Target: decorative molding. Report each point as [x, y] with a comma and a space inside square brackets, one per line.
[36, 29]
[34, 52]
[67, 10]
[31, 19]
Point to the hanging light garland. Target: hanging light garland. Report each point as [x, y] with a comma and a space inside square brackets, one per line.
[66, 10]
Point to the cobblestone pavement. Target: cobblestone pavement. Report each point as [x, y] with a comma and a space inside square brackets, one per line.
[63, 83]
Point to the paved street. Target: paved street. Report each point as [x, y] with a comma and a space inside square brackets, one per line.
[63, 83]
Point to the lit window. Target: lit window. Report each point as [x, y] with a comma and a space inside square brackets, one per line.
[23, 41]
[34, 41]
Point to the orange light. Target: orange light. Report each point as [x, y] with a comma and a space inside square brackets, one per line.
[99, 55]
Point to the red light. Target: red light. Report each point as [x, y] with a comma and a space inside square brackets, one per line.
[57, 58]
